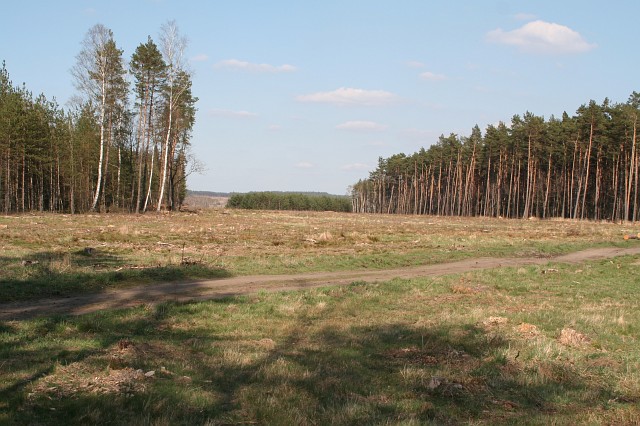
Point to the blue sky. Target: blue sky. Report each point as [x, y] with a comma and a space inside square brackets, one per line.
[305, 96]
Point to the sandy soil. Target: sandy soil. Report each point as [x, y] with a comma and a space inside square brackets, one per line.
[212, 289]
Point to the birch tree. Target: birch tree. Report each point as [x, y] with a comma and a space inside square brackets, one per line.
[173, 46]
[98, 73]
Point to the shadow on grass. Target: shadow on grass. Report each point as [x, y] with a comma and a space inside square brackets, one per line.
[51, 274]
[318, 373]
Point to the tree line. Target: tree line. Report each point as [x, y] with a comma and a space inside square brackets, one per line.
[583, 166]
[289, 201]
[121, 144]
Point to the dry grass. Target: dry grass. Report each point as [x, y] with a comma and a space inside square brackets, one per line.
[405, 351]
[235, 239]
[571, 337]
[539, 345]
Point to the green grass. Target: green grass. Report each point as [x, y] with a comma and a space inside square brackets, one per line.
[555, 344]
[44, 255]
[66, 274]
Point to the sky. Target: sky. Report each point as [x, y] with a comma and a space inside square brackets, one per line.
[306, 96]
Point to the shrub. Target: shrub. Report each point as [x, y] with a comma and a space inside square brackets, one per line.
[289, 201]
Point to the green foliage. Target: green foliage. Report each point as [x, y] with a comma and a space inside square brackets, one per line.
[100, 154]
[289, 201]
[148, 69]
[580, 167]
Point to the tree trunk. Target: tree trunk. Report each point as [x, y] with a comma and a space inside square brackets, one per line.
[163, 177]
[586, 180]
[632, 169]
[96, 197]
[148, 196]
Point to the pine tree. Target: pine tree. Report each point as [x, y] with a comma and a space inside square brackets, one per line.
[149, 71]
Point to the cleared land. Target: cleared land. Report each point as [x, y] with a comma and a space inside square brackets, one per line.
[246, 285]
[63, 255]
[545, 337]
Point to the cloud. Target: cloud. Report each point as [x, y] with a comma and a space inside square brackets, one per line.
[355, 167]
[432, 76]
[248, 66]
[231, 114]
[199, 58]
[426, 75]
[274, 127]
[304, 165]
[368, 126]
[542, 37]
[351, 97]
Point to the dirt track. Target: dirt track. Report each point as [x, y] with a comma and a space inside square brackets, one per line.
[212, 289]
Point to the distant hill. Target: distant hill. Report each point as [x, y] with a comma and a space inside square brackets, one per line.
[209, 193]
[206, 199]
[212, 199]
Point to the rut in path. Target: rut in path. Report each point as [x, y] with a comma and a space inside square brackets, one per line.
[212, 289]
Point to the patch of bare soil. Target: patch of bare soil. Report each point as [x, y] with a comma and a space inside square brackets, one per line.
[212, 289]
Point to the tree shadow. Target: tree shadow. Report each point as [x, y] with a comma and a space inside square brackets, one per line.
[318, 373]
[54, 274]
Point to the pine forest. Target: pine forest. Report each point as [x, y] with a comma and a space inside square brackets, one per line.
[583, 166]
[121, 144]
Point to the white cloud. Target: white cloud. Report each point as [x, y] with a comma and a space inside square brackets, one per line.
[351, 97]
[368, 126]
[542, 37]
[274, 127]
[231, 114]
[199, 58]
[304, 165]
[432, 76]
[249, 66]
[356, 167]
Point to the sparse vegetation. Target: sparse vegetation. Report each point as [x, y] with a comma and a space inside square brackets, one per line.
[537, 344]
[407, 351]
[44, 255]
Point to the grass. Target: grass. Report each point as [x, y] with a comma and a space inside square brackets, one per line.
[60, 255]
[554, 344]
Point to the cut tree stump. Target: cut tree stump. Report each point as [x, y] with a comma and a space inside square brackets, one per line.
[632, 236]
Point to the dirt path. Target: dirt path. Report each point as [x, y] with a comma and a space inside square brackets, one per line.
[212, 289]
